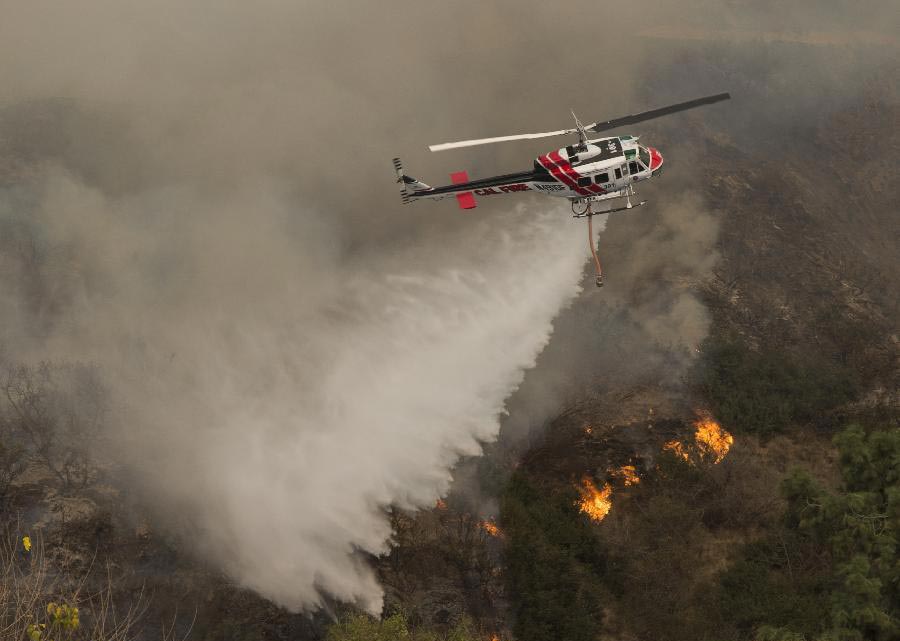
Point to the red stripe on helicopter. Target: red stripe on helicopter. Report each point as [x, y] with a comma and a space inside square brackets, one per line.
[573, 175]
[560, 175]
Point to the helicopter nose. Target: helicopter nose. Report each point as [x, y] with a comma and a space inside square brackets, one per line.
[656, 159]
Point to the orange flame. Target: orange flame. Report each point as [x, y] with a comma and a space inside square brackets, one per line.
[595, 503]
[711, 439]
[628, 474]
[491, 528]
[441, 504]
[677, 449]
[588, 430]
[494, 637]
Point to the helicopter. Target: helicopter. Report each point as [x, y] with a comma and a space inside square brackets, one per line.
[588, 173]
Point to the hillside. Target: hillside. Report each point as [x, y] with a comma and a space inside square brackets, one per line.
[688, 540]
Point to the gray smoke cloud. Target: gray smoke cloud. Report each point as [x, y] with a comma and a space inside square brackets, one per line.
[198, 199]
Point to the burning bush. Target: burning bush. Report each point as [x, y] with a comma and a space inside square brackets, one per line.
[627, 474]
[595, 503]
[677, 449]
[491, 528]
[711, 441]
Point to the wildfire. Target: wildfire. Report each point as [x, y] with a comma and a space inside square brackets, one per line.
[595, 503]
[491, 528]
[441, 504]
[712, 441]
[711, 438]
[628, 474]
[677, 449]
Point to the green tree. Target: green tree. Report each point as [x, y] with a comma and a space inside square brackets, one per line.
[848, 538]
[554, 565]
[860, 526]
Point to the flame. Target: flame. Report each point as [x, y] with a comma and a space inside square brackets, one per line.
[677, 449]
[712, 441]
[494, 637]
[628, 474]
[595, 503]
[491, 528]
[588, 430]
[711, 438]
[441, 504]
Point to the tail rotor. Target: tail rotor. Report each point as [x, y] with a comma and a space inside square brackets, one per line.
[411, 186]
[404, 194]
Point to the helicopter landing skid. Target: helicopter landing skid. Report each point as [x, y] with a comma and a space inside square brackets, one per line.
[592, 212]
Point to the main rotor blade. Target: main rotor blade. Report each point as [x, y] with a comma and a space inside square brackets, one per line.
[656, 113]
[487, 141]
[595, 127]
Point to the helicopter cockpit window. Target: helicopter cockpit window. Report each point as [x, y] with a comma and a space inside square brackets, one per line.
[634, 167]
[618, 173]
[644, 155]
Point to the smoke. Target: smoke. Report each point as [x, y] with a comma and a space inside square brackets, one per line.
[198, 199]
[279, 401]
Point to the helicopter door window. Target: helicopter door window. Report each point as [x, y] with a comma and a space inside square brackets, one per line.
[633, 166]
[601, 178]
[618, 173]
[584, 182]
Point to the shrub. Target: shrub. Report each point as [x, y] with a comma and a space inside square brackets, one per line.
[764, 392]
[362, 627]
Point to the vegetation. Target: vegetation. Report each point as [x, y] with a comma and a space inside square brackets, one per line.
[361, 627]
[555, 565]
[38, 602]
[764, 392]
[824, 568]
[52, 414]
[830, 572]
[12, 461]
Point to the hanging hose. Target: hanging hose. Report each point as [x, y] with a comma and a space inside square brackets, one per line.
[590, 217]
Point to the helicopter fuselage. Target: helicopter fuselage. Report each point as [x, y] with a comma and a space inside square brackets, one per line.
[595, 170]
